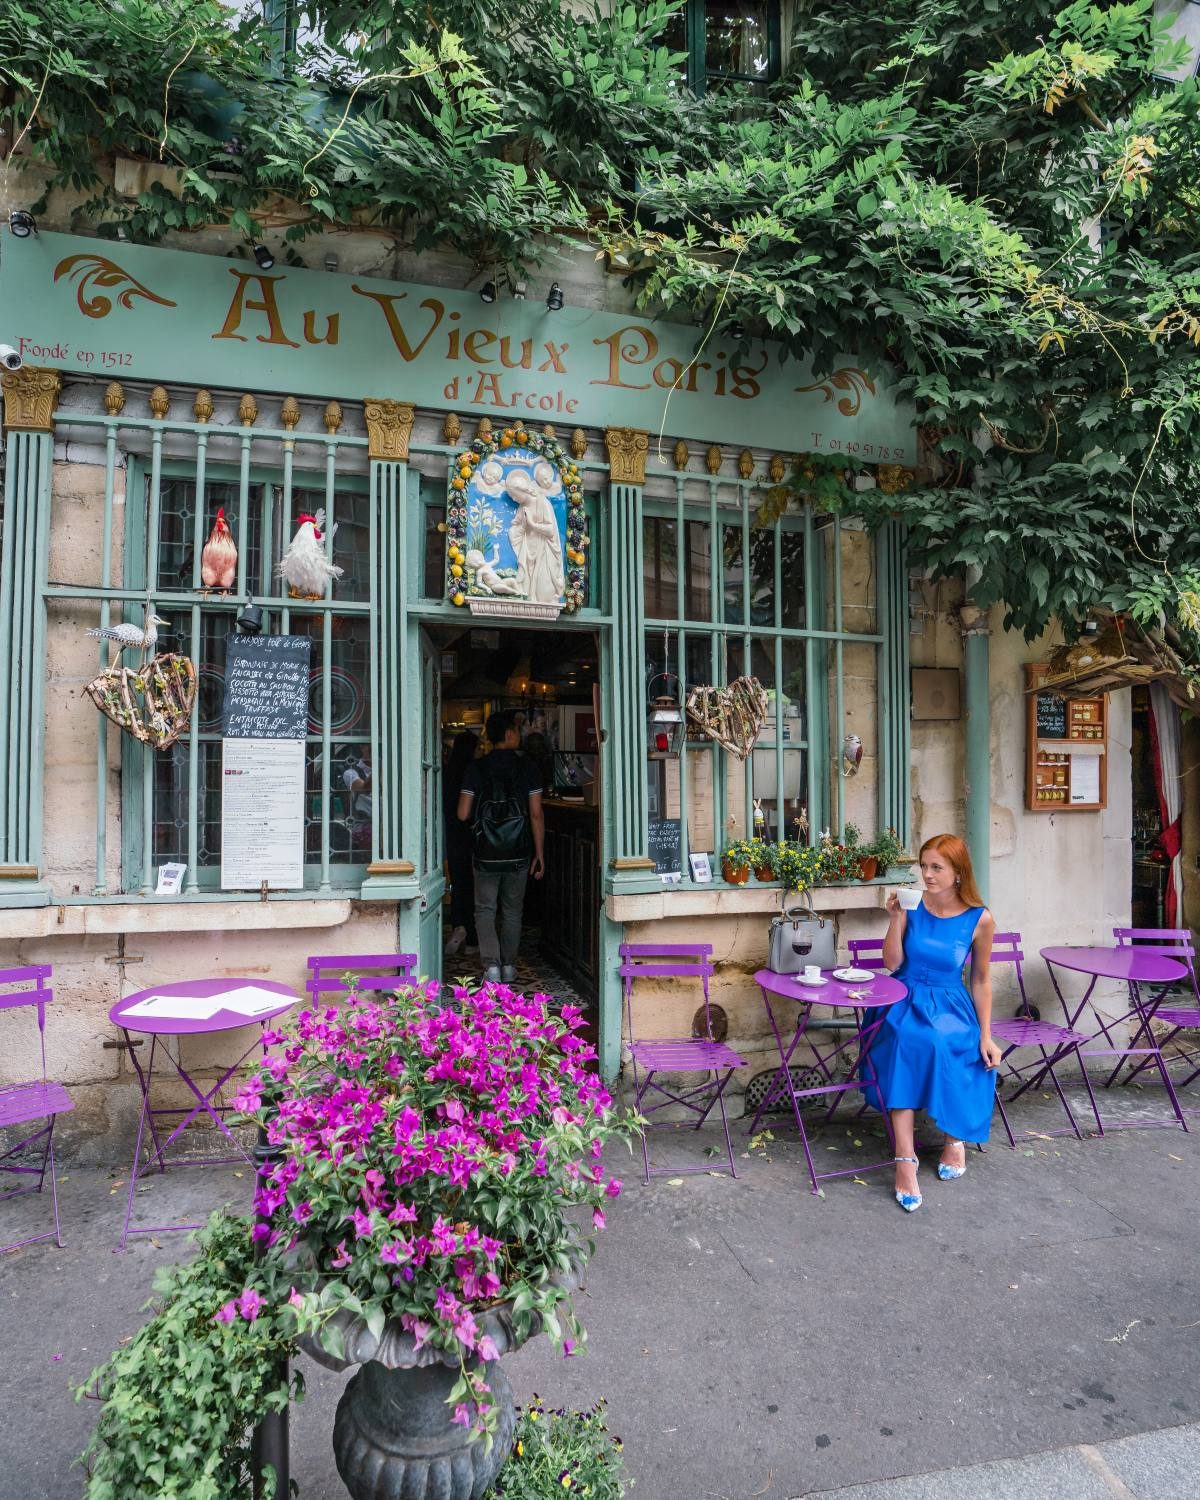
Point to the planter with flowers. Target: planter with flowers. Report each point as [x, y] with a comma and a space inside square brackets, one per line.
[431, 1151]
[839, 861]
[797, 866]
[433, 1154]
[762, 858]
[888, 851]
[737, 859]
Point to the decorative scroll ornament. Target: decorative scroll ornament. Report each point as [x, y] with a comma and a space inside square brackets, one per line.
[732, 717]
[95, 271]
[152, 704]
[893, 479]
[389, 428]
[516, 528]
[627, 449]
[30, 396]
[850, 379]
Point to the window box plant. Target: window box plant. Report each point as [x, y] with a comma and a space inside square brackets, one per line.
[763, 860]
[797, 866]
[888, 851]
[737, 860]
[839, 861]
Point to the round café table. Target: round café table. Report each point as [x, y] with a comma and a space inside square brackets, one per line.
[195, 996]
[876, 993]
[1135, 967]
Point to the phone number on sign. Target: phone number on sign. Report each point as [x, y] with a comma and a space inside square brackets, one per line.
[104, 359]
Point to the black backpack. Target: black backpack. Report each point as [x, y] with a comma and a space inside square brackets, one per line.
[502, 837]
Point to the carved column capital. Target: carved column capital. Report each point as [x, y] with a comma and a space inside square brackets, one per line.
[30, 396]
[389, 428]
[627, 449]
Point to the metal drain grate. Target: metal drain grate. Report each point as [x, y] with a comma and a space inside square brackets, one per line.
[802, 1078]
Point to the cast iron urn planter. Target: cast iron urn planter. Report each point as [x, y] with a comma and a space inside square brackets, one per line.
[393, 1436]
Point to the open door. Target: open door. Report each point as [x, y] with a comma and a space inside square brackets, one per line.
[432, 876]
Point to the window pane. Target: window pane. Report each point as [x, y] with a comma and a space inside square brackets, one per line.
[697, 596]
[349, 674]
[176, 528]
[433, 571]
[736, 38]
[351, 543]
[660, 567]
[791, 544]
[732, 574]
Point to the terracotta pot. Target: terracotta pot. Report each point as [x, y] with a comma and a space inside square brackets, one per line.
[735, 877]
[868, 868]
[764, 872]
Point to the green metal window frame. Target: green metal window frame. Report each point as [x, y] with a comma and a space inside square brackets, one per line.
[145, 474]
[824, 650]
[699, 74]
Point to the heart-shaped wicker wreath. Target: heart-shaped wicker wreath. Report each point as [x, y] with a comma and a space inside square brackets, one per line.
[733, 716]
[153, 704]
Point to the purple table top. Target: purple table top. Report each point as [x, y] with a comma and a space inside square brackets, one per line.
[880, 990]
[1130, 964]
[223, 1020]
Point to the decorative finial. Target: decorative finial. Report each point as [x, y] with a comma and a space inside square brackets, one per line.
[745, 463]
[160, 402]
[114, 398]
[712, 459]
[202, 406]
[333, 417]
[484, 430]
[578, 443]
[777, 469]
[289, 413]
[451, 428]
[548, 431]
[680, 455]
[247, 411]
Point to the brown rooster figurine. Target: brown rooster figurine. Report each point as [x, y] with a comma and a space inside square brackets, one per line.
[218, 561]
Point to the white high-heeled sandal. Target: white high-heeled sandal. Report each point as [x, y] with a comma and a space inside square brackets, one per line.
[909, 1202]
[947, 1172]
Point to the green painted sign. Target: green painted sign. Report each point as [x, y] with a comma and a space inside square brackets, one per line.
[105, 308]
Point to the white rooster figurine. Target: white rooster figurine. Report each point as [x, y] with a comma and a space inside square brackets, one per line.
[130, 637]
[305, 568]
[218, 561]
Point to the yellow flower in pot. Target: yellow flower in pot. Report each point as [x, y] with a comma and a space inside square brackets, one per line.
[736, 861]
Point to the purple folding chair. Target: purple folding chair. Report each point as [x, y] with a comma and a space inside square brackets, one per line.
[866, 953]
[1023, 1030]
[1169, 942]
[676, 1054]
[27, 1103]
[332, 975]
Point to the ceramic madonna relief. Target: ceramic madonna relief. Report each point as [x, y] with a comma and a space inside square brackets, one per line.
[516, 531]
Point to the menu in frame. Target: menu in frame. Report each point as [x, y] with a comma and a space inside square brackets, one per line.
[262, 814]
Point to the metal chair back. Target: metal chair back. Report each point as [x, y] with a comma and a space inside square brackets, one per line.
[332, 974]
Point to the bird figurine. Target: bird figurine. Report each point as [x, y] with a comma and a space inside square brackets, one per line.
[218, 561]
[852, 754]
[130, 637]
[305, 568]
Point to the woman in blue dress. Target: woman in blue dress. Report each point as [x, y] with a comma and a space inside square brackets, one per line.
[934, 1049]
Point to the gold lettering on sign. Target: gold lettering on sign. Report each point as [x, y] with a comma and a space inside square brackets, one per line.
[264, 303]
[389, 428]
[387, 301]
[30, 395]
[477, 339]
[627, 449]
[640, 350]
[330, 336]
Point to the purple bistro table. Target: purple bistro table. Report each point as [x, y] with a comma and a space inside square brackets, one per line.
[1135, 968]
[877, 993]
[163, 1026]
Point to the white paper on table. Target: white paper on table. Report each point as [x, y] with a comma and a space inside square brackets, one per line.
[175, 1008]
[251, 1000]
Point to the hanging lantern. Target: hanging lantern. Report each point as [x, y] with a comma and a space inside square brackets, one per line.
[665, 728]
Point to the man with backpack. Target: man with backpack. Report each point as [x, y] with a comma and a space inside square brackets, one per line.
[502, 796]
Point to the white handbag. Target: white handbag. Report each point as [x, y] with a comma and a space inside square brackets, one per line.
[799, 936]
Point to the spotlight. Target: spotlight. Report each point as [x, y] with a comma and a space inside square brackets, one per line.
[519, 290]
[264, 257]
[250, 621]
[487, 292]
[331, 260]
[554, 298]
[736, 331]
[22, 224]
[10, 358]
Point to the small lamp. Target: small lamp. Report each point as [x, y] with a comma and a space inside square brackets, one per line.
[554, 297]
[665, 725]
[22, 223]
[264, 257]
[487, 292]
[250, 620]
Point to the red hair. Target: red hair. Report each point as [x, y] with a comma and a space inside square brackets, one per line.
[955, 852]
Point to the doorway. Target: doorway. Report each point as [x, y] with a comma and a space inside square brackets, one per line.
[1151, 861]
[548, 676]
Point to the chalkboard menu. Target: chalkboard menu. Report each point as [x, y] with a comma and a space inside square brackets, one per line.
[266, 687]
[1051, 717]
[664, 846]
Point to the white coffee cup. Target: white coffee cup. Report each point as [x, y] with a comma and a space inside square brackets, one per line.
[909, 897]
[811, 971]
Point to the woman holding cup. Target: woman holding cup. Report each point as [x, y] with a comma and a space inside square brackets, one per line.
[934, 1049]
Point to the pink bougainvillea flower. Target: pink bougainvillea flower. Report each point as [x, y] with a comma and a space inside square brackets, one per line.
[598, 1218]
[296, 1300]
[486, 1348]
[225, 1314]
[614, 1187]
[250, 1304]
[462, 1415]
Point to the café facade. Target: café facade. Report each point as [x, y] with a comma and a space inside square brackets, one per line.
[434, 430]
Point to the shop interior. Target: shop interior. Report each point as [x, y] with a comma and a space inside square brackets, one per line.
[551, 678]
[1151, 865]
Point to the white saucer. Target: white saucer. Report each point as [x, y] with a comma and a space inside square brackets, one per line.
[813, 984]
[853, 976]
